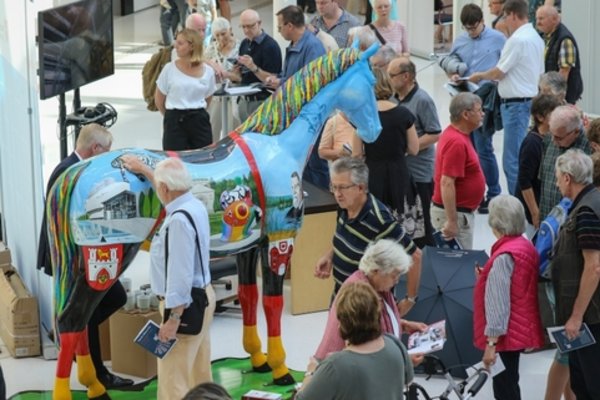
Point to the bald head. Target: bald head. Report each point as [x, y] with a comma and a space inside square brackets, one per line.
[249, 16]
[196, 22]
[547, 19]
[250, 23]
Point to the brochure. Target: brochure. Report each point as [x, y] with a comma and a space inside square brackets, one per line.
[242, 90]
[431, 340]
[558, 335]
[148, 339]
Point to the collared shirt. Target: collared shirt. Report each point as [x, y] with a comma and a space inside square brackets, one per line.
[339, 30]
[352, 236]
[522, 62]
[265, 53]
[184, 269]
[427, 121]
[481, 53]
[567, 55]
[549, 194]
[298, 54]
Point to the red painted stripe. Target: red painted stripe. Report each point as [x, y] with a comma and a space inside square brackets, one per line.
[253, 170]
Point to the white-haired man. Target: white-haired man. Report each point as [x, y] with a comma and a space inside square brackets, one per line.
[180, 250]
[574, 266]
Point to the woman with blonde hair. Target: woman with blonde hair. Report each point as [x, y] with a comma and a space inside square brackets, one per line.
[388, 31]
[389, 177]
[222, 51]
[183, 92]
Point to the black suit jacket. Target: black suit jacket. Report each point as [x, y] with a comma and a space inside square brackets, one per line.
[44, 261]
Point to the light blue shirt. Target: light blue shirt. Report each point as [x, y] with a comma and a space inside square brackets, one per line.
[184, 267]
[302, 52]
[480, 54]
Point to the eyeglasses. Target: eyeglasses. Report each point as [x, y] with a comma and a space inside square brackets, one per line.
[280, 27]
[340, 188]
[476, 110]
[557, 138]
[249, 26]
[471, 28]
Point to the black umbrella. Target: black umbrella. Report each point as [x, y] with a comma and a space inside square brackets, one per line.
[446, 292]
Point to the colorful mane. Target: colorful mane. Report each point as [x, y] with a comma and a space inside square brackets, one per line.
[280, 110]
[62, 245]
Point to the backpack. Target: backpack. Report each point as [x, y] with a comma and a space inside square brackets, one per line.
[150, 74]
[547, 235]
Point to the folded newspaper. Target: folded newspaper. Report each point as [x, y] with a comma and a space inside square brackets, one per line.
[431, 340]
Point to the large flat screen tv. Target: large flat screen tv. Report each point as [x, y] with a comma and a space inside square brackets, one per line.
[75, 46]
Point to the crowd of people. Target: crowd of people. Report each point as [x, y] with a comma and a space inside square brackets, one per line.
[393, 194]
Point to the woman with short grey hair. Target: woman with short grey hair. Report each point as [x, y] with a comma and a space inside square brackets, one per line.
[578, 165]
[381, 266]
[506, 316]
[508, 216]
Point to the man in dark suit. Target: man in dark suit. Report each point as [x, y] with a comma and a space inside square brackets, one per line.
[93, 139]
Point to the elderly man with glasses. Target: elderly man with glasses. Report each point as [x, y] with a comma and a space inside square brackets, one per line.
[567, 133]
[362, 219]
[260, 57]
[479, 47]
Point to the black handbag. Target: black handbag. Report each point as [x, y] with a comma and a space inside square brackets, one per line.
[192, 317]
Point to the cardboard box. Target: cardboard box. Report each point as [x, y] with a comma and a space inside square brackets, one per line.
[4, 255]
[128, 357]
[104, 334]
[19, 316]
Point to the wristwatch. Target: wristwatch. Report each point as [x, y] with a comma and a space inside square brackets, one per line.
[256, 69]
[412, 299]
[491, 343]
[175, 316]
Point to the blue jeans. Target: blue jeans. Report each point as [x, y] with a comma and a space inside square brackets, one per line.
[515, 118]
[482, 139]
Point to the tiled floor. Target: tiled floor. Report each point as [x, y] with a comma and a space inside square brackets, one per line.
[136, 37]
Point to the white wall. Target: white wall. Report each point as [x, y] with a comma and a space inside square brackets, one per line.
[21, 193]
[581, 17]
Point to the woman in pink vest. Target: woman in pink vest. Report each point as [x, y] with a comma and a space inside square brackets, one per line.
[506, 316]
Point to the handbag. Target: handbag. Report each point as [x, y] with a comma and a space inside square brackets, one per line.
[192, 317]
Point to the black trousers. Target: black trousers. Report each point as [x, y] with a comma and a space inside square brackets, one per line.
[425, 193]
[506, 383]
[114, 299]
[186, 129]
[584, 365]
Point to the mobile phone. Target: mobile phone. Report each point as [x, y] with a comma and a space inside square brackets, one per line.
[233, 60]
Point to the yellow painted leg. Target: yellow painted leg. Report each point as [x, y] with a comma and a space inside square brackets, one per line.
[62, 389]
[276, 357]
[86, 374]
[252, 345]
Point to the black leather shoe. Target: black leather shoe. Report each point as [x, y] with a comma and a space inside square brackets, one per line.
[111, 381]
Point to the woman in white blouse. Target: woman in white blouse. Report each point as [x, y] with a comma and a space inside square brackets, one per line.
[223, 49]
[183, 92]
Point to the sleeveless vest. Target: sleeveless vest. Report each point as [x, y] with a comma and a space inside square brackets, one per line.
[574, 81]
[567, 265]
[524, 323]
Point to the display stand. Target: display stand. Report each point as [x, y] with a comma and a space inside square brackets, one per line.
[64, 121]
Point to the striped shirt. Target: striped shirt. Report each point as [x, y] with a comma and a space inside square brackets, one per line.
[352, 236]
[587, 225]
[497, 296]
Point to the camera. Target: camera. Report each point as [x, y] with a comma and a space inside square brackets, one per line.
[233, 60]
